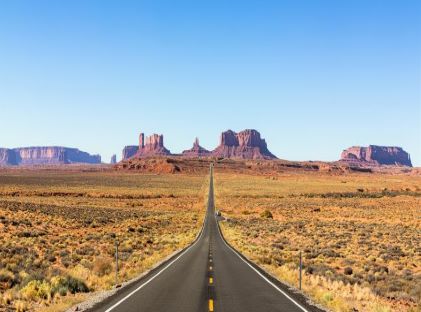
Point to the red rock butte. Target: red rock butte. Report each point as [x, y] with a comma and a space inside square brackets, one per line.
[45, 155]
[152, 145]
[246, 144]
[377, 155]
[196, 151]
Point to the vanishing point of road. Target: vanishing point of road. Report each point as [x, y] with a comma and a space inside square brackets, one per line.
[209, 275]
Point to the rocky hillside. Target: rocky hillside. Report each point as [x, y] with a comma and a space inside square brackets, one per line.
[377, 155]
[45, 155]
[176, 164]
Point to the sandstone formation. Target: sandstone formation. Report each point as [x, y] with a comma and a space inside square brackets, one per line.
[46, 155]
[150, 146]
[377, 155]
[196, 151]
[113, 159]
[129, 151]
[7, 157]
[246, 144]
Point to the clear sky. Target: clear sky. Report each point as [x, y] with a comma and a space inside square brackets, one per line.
[314, 77]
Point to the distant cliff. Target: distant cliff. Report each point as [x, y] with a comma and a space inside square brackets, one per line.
[374, 154]
[45, 155]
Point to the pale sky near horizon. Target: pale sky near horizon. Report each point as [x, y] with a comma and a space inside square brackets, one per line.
[314, 77]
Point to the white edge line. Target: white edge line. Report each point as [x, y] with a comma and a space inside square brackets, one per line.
[166, 267]
[260, 274]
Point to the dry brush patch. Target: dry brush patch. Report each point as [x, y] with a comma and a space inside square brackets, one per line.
[58, 229]
[359, 234]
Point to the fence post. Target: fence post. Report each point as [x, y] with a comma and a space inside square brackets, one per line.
[116, 262]
[301, 268]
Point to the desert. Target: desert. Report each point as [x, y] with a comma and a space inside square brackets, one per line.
[210, 156]
[358, 232]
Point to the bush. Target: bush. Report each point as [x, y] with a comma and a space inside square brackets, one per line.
[36, 290]
[21, 306]
[266, 214]
[58, 285]
[327, 297]
[102, 266]
[7, 278]
[7, 297]
[348, 271]
[65, 284]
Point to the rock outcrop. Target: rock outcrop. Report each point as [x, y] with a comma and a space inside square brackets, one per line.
[113, 159]
[246, 144]
[196, 151]
[377, 155]
[150, 146]
[46, 155]
[7, 157]
[129, 151]
[153, 145]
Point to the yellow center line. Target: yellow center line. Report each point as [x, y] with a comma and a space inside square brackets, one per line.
[210, 305]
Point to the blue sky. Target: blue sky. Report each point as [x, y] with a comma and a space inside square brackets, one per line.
[314, 77]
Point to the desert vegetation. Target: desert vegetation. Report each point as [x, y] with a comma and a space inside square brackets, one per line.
[359, 234]
[58, 231]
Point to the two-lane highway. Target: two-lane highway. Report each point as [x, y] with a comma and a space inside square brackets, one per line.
[207, 276]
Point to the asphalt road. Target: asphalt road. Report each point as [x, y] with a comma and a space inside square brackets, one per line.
[207, 276]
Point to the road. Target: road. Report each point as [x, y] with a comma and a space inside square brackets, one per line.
[207, 276]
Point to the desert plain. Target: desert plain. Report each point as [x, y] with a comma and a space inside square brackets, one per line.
[359, 233]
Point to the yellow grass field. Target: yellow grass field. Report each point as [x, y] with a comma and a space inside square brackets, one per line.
[58, 230]
[359, 234]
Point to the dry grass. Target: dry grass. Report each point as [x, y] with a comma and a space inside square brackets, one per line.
[360, 234]
[58, 229]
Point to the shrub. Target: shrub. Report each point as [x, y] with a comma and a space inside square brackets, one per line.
[65, 284]
[310, 270]
[348, 271]
[7, 278]
[102, 266]
[266, 214]
[58, 285]
[7, 297]
[36, 290]
[21, 306]
[327, 297]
